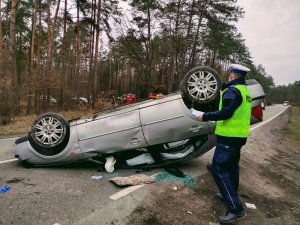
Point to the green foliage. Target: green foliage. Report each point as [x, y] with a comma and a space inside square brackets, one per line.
[259, 73]
[23, 28]
[289, 92]
[292, 130]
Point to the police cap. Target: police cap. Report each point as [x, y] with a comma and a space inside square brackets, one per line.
[239, 69]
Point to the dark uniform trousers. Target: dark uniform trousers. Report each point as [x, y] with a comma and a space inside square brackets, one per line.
[225, 170]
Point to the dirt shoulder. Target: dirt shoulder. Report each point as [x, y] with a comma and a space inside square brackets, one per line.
[21, 125]
[270, 166]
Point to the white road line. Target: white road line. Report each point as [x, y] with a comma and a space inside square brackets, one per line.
[9, 138]
[125, 192]
[7, 161]
[128, 190]
[264, 122]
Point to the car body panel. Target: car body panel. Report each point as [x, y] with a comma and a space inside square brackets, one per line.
[72, 152]
[170, 121]
[257, 92]
[117, 132]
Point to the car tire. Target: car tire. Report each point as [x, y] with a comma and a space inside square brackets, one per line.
[201, 85]
[49, 134]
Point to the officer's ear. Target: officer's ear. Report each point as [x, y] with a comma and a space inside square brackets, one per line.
[236, 75]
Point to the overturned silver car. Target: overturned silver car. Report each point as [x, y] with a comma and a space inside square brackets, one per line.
[146, 134]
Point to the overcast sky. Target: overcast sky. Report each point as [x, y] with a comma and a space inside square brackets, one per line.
[272, 32]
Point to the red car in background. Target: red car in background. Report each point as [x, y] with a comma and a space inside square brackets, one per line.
[152, 95]
[257, 109]
[129, 98]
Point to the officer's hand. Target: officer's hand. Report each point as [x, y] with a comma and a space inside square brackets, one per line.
[200, 116]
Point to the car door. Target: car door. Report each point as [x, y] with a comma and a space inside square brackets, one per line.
[169, 120]
[108, 133]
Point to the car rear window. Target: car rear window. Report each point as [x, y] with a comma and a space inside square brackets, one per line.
[251, 82]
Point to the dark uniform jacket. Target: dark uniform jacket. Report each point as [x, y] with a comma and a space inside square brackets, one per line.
[232, 99]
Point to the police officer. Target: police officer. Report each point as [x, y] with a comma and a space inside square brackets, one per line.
[112, 100]
[232, 130]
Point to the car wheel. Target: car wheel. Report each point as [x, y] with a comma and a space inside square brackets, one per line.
[49, 134]
[201, 85]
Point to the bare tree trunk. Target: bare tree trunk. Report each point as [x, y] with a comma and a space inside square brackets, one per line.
[171, 77]
[78, 54]
[63, 60]
[1, 49]
[195, 42]
[31, 60]
[91, 54]
[110, 75]
[214, 54]
[187, 36]
[194, 46]
[38, 68]
[149, 55]
[12, 42]
[97, 53]
[95, 69]
[45, 78]
[171, 72]
[51, 29]
[12, 69]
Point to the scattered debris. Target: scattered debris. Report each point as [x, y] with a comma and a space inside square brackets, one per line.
[113, 174]
[5, 188]
[250, 205]
[175, 171]
[175, 188]
[14, 180]
[109, 164]
[211, 223]
[132, 180]
[29, 184]
[188, 180]
[96, 177]
[189, 212]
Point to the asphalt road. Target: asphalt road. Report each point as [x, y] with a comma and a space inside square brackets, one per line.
[67, 195]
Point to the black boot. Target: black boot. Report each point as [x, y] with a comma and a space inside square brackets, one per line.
[229, 217]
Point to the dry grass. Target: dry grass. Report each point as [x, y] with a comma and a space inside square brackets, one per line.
[19, 125]
[292, 130]
[22, 124]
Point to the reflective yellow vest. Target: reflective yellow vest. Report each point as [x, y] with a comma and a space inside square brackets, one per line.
[239, 124]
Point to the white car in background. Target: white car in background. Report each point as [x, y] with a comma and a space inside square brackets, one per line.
[285, 103]
[51, 99]
[80, 99]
